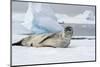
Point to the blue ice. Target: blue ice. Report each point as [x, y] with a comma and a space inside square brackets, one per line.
[44, 20]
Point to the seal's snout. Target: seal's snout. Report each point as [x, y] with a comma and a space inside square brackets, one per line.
[68, 28]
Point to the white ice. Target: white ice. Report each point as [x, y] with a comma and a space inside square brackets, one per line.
[79, 50]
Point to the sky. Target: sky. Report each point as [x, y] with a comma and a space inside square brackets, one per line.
[58, 8]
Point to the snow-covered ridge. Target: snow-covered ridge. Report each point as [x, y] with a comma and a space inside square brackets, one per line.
[86, 17]
[83, 36]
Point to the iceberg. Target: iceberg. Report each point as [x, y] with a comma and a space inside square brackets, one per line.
[40, 18]
[28, 18]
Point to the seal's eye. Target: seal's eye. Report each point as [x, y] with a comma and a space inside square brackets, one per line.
[68, 29]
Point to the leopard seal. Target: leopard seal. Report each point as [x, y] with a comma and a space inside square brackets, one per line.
[55, 40]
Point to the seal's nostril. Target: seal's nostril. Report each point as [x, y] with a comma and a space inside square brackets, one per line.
[31, 44]
[69, 29]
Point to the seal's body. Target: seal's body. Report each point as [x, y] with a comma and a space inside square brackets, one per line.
[60, 39]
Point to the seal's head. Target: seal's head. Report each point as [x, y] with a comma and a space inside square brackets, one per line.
[68, 31]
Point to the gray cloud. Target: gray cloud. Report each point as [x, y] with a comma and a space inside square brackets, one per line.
[70, 10]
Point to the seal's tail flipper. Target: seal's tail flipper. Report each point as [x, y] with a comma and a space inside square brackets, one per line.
[17, 43]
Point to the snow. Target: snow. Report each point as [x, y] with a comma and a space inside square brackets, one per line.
[79, 50]
[87, 37]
